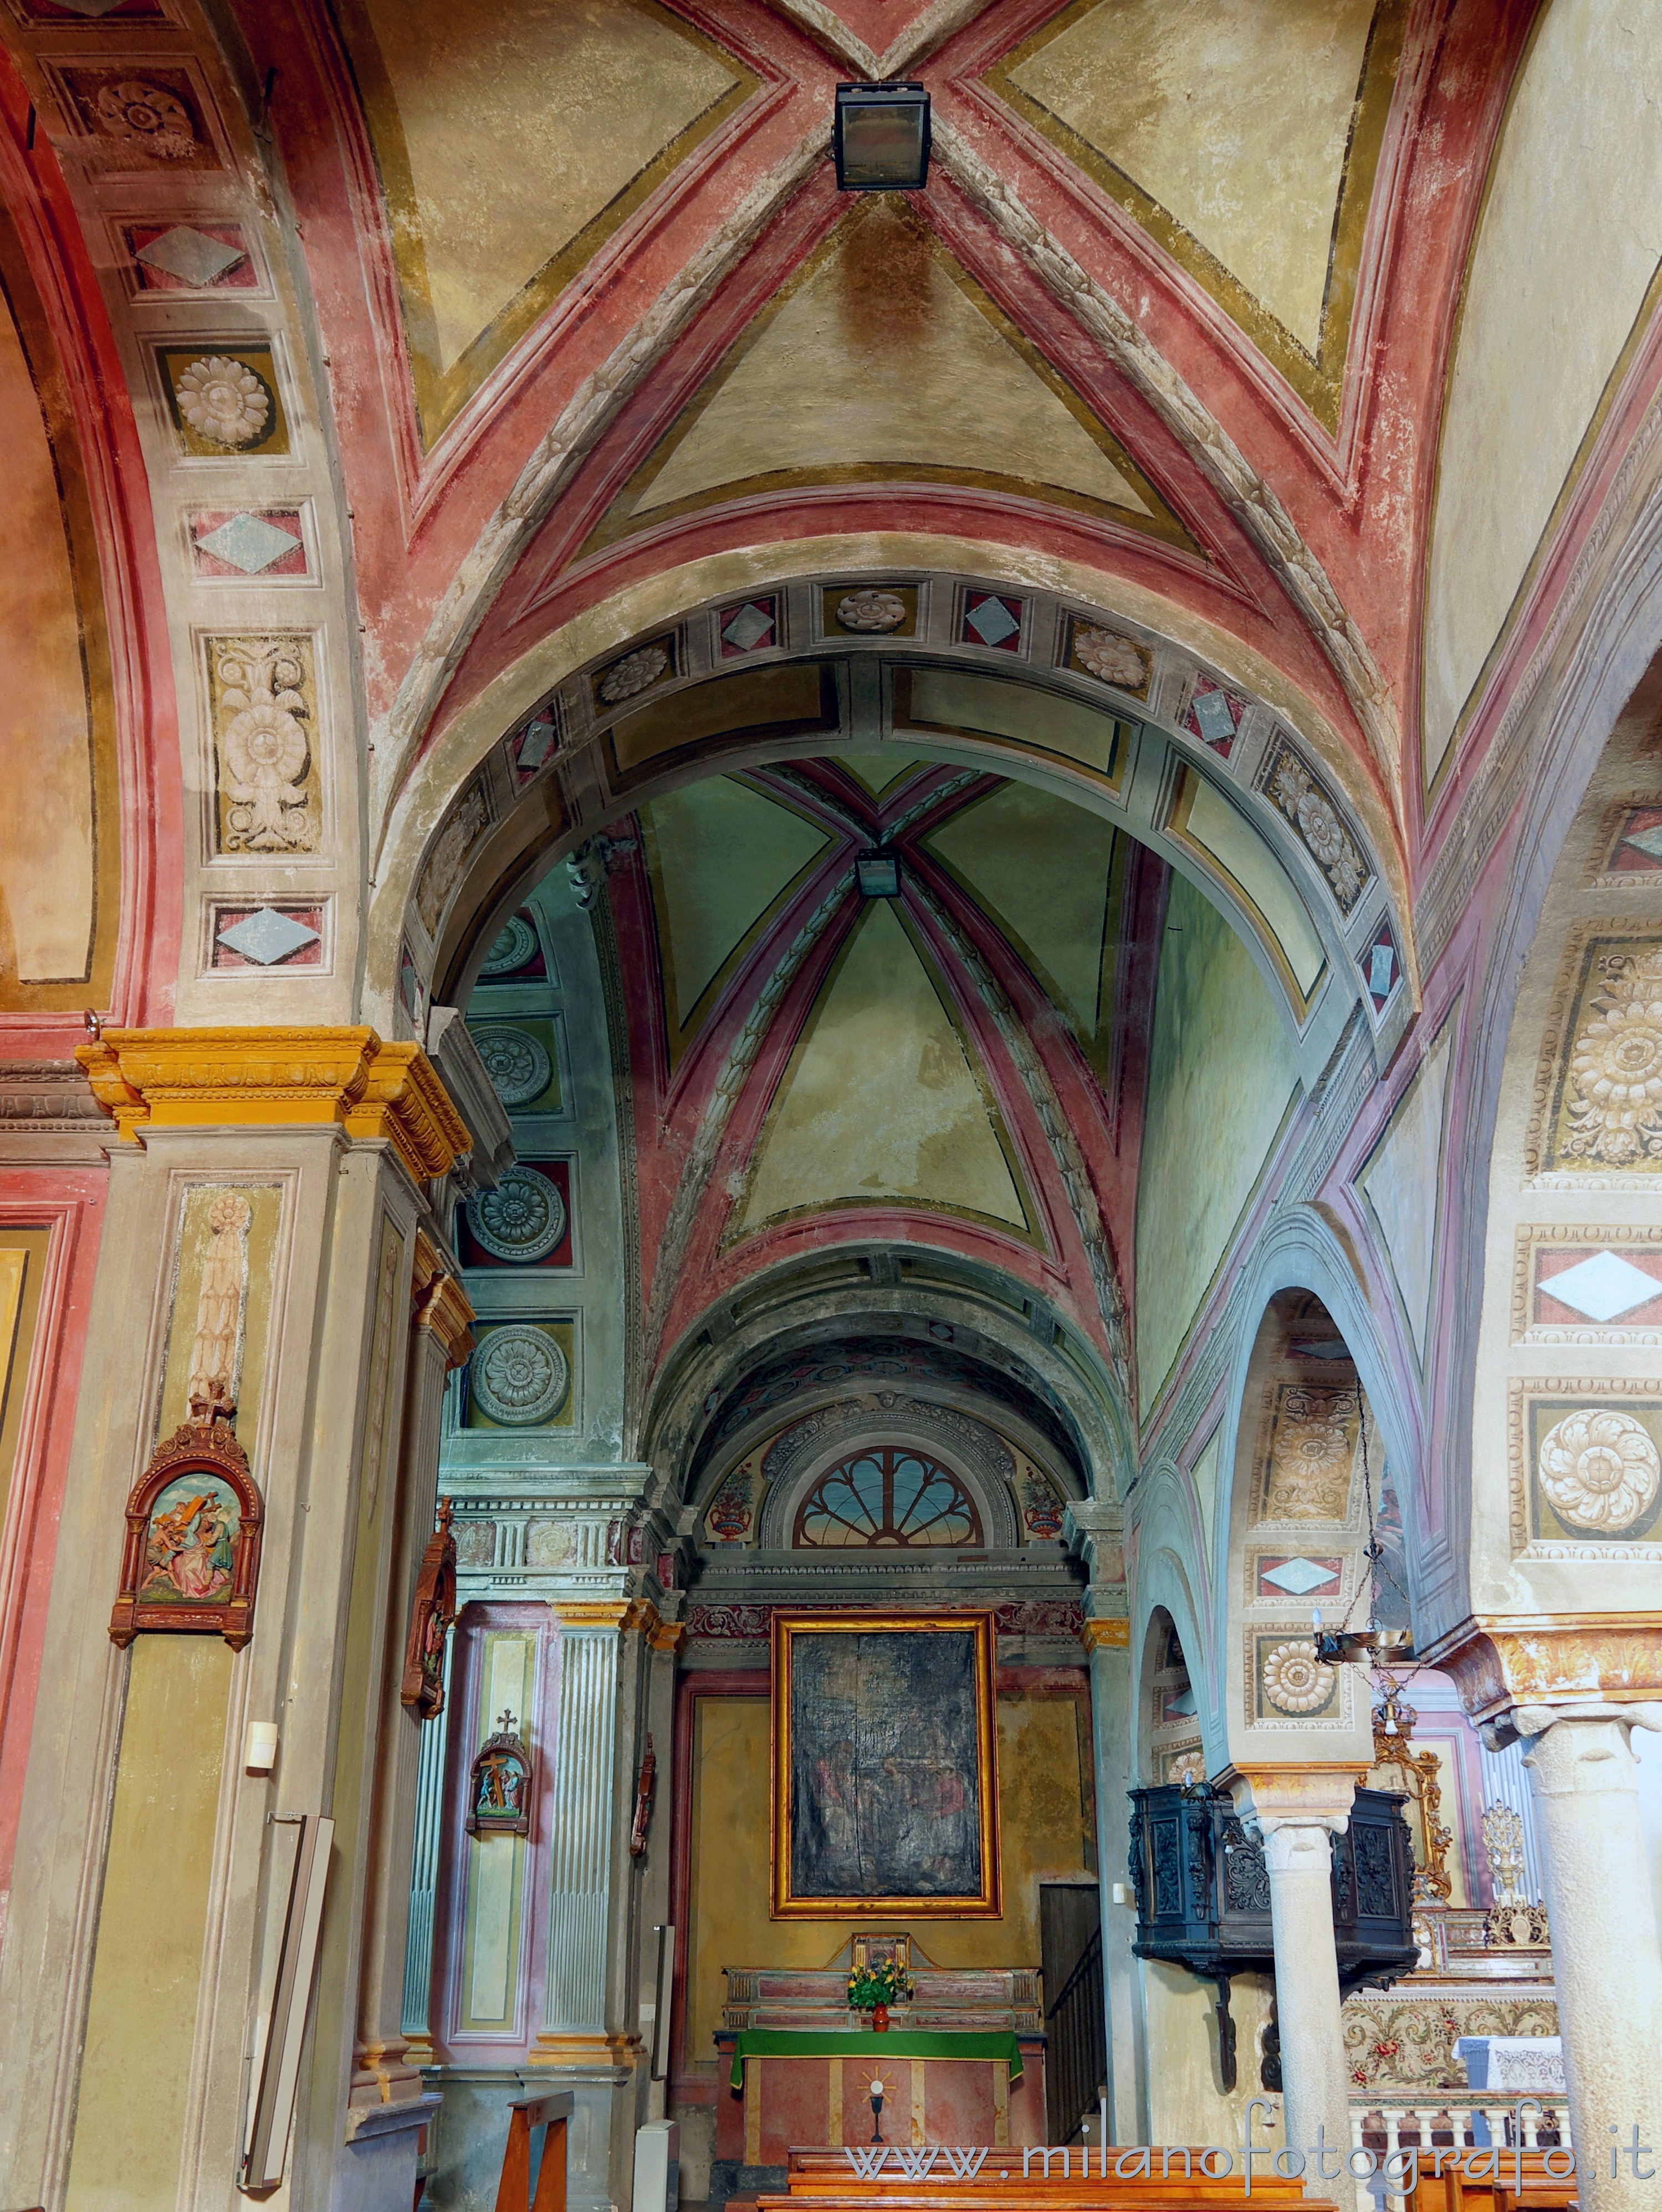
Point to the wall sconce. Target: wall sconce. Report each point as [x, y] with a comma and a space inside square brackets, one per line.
[880, 137]
[877, 875]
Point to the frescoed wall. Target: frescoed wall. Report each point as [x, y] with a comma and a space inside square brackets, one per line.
[1220, 1084]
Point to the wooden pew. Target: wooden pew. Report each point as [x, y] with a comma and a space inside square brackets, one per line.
[821, 2180]
[1455, 2190]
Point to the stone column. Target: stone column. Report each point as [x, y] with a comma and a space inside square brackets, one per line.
[440, 1340]
[1108, 1641]
[1298, 1811]
[1606, 1961]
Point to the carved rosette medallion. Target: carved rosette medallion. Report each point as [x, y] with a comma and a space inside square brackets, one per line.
[512, 946]
[871, 611]
[223, 402]
[1599, 1469]
[636, 671]
[518, 1065]
[523, 1219]
[1110, 657]
[1294, 1680]
[521, 1376]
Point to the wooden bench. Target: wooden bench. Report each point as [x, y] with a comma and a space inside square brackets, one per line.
[1546, 2188]
[524, 2117]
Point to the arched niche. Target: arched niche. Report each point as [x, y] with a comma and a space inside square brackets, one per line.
[1309, 1460]
[1227, 782]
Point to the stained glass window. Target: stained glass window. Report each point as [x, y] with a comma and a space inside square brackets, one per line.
[889, 1496]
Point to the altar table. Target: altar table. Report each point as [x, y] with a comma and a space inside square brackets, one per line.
[813, 2086]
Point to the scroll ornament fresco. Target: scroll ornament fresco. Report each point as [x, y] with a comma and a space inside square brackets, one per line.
[1311, 809]
[261, 692]
[1311, 1453]
[191, 1560]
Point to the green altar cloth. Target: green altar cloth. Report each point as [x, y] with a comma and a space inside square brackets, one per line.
[895, 2042]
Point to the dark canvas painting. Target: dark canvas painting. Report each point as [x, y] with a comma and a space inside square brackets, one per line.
[885, 1788]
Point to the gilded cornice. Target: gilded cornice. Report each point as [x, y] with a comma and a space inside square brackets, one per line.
[440, 1303]
[1592, 1658]
[281, 1077]
[1105, 1635]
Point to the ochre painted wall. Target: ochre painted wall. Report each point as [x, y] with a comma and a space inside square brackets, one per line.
[141, 2021]
[1047, 1823]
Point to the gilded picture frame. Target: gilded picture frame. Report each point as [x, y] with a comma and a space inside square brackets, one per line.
[884, 1779]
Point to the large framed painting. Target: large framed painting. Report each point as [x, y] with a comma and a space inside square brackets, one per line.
[885, 1765]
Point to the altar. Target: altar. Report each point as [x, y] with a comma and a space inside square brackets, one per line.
[962, 2062]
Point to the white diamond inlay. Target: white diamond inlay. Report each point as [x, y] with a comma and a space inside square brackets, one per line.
[1381, 970]
[1648, 841]
[1604, 1287]
[248, 541]
[1299, 1577]
[992, 621]
[748, 627]
[190, 255]
[1211, 712]
[267, 937]
[536, 745]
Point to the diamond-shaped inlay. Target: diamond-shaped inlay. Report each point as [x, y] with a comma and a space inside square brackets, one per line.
[748, 628]
[249, 542]
[1648, 841]
[1212, 715]
[1604, 1287]
[267, 937]
[190, 255]
[536, 744]
[992, 621]
[1299, 1577]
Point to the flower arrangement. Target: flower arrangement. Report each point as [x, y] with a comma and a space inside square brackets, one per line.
[881, 1983]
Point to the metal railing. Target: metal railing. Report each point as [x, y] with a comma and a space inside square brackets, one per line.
[1076, 2052]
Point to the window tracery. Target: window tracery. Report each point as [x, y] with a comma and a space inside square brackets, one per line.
[886, 1495]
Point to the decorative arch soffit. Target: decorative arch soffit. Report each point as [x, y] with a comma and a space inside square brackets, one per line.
[1227, 779]
[1039, 1382]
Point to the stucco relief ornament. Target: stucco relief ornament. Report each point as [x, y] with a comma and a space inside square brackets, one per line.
[1599, 1469]
[224, 401]
[871, 610]
[511, 948]
[520, 1375]
[636, 671]
[1305, 802]
[265, 753]
[1294, 1680]
[444, 866]
[1616, 1068]
[1111, 658]
[149, 117]
[523, 1219]
[519, 1068]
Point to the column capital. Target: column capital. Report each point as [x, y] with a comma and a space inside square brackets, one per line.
[619, 1615]
[1531, 1724]
[1314, 1793]
[1501, 1661]
[441, 1304]
[262, 1078]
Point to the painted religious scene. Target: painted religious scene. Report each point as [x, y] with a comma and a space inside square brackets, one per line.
[190, 1547]
[885, 1786]
[830, 1105]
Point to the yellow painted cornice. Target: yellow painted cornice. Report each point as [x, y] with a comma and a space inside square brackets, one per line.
[441, 1304]
[286, 1078]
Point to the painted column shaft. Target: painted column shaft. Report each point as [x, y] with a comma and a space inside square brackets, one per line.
[1607, 1963]
[1298, 1855]
[1111, 1737]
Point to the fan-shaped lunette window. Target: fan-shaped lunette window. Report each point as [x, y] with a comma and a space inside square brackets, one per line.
[888, 1495]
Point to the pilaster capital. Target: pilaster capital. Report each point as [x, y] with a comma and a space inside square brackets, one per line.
[597, 1615]
[1564, 1740]
[1314, 1793]
[294, 1077]
[1097, 1634]
[441, 1303]
[1503, 1661]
